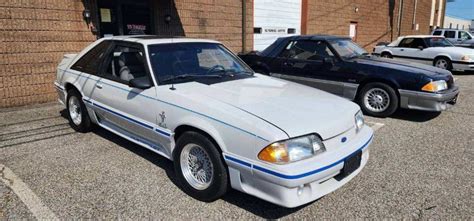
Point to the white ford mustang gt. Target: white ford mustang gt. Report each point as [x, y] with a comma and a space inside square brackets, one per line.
[430, 50]
[197, 104]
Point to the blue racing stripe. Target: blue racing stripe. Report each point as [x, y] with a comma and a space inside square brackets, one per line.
[174, 105]
[291, 177]
[123, 116]
[162, 132]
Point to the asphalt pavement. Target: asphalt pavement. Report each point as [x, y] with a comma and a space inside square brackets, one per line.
[420, 167]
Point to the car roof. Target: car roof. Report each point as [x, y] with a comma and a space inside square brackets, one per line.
[422, 36]
[156, 39]
[314, 37]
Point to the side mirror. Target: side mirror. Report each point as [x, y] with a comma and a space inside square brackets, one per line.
[328, 60]
[140, 83]
[421, 47]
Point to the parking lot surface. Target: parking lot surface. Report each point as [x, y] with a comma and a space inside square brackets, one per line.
[420, 166]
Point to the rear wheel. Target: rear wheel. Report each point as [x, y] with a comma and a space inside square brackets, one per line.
[443, 63]
[77, 112]
[378, 100]
[386, 55]
[199, 167]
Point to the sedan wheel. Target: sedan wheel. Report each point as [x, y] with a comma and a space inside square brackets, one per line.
[77, 112]
[199, 167]
[443, 63]
[378, 99]
[196, 166]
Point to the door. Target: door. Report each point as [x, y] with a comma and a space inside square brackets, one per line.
[121, 107]
[311, 63]
[413, 49]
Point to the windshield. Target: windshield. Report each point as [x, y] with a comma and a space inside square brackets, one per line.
[438, 42]
[347, 49]
[188, 61]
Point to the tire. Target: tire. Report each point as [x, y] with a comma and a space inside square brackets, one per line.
[386, 55]
[443, 63]
[378, 100]
[213, 185]
[77, 113]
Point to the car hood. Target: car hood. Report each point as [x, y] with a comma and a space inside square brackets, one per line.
[295, 109]
[402, 66]
[456, 50]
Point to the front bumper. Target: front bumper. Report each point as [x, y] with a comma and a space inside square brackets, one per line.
[428, 101]
[301, 182]
[463, 66]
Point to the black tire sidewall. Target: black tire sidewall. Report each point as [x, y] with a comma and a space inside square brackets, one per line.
[394, 101]
[220, 181]
[385, 53]
[85, 125]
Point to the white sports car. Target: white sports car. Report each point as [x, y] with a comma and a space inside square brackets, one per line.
[197, 104]
[430, 50]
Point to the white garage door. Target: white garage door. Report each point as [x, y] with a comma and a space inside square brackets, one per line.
[274, 19]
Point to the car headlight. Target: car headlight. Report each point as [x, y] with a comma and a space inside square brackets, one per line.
[435, 86]
[359, 120]
[292, 150]
[467, 57]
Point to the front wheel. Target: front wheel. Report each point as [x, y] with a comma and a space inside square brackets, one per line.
[443, 63]
[199, 167]
[378, 100]
[386, 55]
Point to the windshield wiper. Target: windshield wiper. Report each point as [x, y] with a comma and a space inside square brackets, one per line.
[185, 76]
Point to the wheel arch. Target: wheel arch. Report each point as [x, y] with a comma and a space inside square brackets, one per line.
[203, 130]
[442, 56]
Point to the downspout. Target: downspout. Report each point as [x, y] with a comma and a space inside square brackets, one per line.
[244, 29]
[413, 23]
[400, 11]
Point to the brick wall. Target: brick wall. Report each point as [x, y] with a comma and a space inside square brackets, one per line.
[217, 19]
[34, 35]
[373, 19]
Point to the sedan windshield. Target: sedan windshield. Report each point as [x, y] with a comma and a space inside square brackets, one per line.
[347, 49]
[438, 42]
[181, 62]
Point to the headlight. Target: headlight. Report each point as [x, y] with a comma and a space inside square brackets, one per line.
[435, 86]
[359, 120]
[465, 58]
[292, 150]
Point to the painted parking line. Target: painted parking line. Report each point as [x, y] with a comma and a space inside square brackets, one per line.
[26, 195]
[375, 126]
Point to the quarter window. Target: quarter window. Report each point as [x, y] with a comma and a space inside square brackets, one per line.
[90, 62]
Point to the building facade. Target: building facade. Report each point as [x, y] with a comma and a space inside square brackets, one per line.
[35, 34]
[457, 23]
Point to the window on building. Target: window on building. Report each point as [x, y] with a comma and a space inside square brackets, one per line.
[450, 34]
[291, 30]
[90, 62]
[257, 30]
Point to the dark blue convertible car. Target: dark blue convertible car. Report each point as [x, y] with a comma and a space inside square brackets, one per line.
[339, 66]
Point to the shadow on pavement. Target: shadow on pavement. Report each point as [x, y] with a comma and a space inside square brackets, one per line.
[415, 115]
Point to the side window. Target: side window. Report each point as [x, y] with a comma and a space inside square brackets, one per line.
[464, 35]
[406, 43]
[437, 33]
[125, 63]
[449, 34]
[417, 43]
[90, 62]
[308, 50]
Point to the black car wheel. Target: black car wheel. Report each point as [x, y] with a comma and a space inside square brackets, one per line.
[386, 55]
[378, 100]
[443, 63]
[77, 112]
[199, 167]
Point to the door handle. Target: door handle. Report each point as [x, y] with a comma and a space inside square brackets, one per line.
[99, 85]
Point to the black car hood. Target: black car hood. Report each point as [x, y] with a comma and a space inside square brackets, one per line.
[403, 66]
